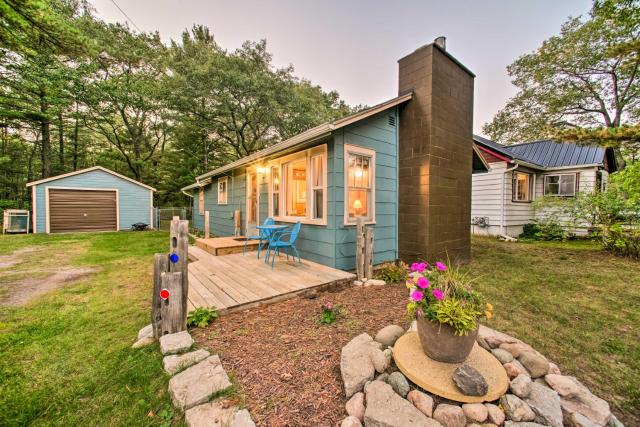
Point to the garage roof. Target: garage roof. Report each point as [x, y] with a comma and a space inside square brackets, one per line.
[81, 171]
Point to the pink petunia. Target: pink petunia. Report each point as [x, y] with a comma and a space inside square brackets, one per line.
[423, 282]
[440, 266]
[328, 306]
[437, 294]
[422, 266]
[415, 266]
[417, 295]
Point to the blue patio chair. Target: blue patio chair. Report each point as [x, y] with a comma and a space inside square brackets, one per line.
[289, 245]
[263, 236]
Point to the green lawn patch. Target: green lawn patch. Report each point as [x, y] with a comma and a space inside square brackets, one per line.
[574, 303]
[66, 356]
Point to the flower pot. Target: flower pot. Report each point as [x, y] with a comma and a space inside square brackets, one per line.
[440, 342]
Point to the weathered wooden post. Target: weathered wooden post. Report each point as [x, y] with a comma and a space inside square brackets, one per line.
[206, 224]
[171, 283]
[237, 223]
[360, 272]
[368, 252]
[179, 245]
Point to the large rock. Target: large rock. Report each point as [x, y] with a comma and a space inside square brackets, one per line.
[521, 424]
[546, 404]
[521, 386]
[217, 414]
[515, 368]
[450, 415]
[470, 381]
[355, 406]
[578, 420]
[144, 341]
[502, 355]
[359, 360]
[197, 384]
[494, 338]
[351, 421]
[516, 409]
[422, 401]
[475, 412]
[575, 397]
[386, 409]
[388, 335]
[516, 348]
[174, 363]
[175, 343]
[399, 383]
[496, 415]
[536, 364]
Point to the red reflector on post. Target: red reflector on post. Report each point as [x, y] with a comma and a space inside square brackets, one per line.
[164, 294]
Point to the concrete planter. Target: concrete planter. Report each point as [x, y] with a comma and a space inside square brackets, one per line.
[440, 342]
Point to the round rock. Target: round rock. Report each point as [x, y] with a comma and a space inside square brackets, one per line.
[470, 381]
[399, 383]
[450, 415]
[388, 335]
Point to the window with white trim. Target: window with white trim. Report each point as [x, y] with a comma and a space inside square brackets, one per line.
[298, 186]
[201, 201]
[359, 187]
[521, 189]
[560, 185]
[222, 190]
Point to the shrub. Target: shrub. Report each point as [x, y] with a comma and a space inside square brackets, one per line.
[444, 294]
[622, 242]
[529, 231]
[391, 272]
[201, 317]
[550, 229]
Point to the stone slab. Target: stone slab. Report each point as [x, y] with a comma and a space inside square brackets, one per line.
[174, 363]
[437, 377]
[197, 384]
[175, 343]
[217, 414]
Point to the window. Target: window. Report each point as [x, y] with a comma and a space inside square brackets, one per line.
[359, 184]
[560, 185]
[222, 191]
[201, 201]
[317, 187]
[275, 191]
[298, 185]
[521, 190]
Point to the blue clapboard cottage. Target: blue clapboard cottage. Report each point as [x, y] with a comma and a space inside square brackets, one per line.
[404, 165]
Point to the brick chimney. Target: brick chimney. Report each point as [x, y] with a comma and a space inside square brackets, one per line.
[435, 156]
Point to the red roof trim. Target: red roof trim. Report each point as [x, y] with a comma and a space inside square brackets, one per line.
[493, 153]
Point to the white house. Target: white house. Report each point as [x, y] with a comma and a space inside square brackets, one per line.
[502, 197]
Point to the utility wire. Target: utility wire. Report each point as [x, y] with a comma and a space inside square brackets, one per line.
[125, 15]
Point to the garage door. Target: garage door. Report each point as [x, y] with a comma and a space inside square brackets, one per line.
[82, 210]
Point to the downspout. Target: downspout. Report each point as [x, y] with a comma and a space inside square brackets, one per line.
[502, 216]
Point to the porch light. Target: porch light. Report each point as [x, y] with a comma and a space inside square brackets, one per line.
[261, 170]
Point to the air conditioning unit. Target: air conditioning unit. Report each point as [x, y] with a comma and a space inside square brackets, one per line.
[15, 221]
[480, 221]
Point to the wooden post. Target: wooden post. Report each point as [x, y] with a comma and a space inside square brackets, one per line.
[206, 224]
[237, 223]
[360, 272]
[368, 252]
[171, 310]
[179, 245]
[160, 266]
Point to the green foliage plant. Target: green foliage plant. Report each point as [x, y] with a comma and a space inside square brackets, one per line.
[201, 317]
[391, 272]
[328, 314]
[444, 294]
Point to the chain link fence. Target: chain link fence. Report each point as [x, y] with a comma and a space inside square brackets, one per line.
[163, 216]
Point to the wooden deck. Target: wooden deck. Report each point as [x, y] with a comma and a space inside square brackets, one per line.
[235, 282]
[226, 245]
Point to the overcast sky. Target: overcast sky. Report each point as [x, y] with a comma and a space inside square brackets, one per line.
[352, 46]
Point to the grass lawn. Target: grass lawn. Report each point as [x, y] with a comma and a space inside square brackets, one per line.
[66, 357]
[574, 303]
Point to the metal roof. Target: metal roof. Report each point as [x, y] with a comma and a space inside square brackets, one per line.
[305, 137]
[548, 154]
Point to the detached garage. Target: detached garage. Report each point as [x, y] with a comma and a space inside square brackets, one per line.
[93, 199]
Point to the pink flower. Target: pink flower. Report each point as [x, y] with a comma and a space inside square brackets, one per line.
[416, 295]
[328, 306]
[418, 266]
[415, 266]
[437, 294]
[440, 266]
[423, 282]
[423, 266]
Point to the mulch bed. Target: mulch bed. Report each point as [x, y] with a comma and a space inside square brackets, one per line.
[287, 365]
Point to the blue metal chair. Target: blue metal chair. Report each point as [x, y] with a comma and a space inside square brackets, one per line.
[289, 245]
[262, 236]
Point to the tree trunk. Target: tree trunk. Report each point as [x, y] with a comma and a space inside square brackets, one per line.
[61, 141]
[75, 140]
[45, 137]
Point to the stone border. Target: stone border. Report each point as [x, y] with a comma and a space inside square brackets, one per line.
[539, 395]
[197, 381]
